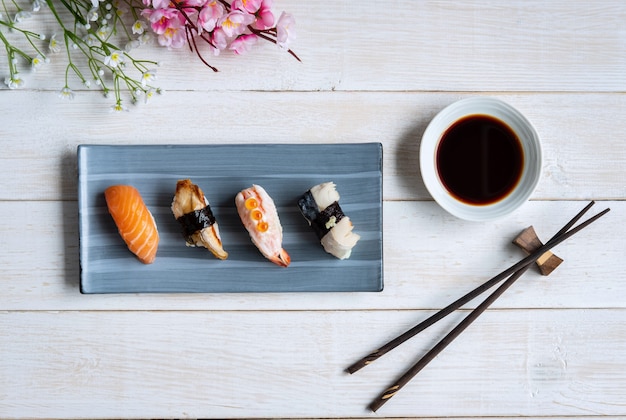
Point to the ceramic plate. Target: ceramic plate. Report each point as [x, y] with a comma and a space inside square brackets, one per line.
[285, 171]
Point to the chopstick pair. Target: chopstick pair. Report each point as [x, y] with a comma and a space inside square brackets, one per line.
[515, 272]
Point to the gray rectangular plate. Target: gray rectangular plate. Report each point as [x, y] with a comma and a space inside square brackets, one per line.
[286, 171]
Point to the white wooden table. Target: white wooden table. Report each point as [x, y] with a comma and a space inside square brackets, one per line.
[371, 72]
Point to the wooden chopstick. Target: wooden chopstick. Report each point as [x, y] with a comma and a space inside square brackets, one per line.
[428, 357]
[531, 258]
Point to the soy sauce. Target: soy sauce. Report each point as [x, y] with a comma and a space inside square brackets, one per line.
[479, 159]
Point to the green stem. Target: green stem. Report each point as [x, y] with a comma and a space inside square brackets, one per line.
[9, 48]
[54, 12]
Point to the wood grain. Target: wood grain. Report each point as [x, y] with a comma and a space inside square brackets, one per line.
[135, 364]
[584, 154]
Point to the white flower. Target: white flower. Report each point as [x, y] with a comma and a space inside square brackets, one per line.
[145, 38]
[115, 59]
[37, 62]
[14, 82]
[54, 45]
[21, 15]
[37, 5]
[92, 14]
[147, 77]
[118, 107]
[104, 32]
[149, 94]
[66, 93]
[139, 27]
[132, 45]
[90, 40]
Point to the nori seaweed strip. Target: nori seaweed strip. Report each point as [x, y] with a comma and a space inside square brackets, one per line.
[321, 221]
[196, 221]
[308, 207]
[329, 217]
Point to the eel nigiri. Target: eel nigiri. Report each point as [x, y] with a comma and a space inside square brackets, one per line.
[134, 221]
[260, 218]
[192, 210]
[320, 207]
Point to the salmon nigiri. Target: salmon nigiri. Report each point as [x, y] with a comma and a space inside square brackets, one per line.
[260, 217]
[134, 221]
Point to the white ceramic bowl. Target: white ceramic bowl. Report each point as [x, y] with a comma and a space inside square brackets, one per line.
[526, 134]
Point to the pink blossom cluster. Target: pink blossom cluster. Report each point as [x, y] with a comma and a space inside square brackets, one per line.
[235, 25]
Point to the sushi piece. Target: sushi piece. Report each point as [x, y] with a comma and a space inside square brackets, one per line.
[134, 221]
[320, 207]
[192, 210]
[259, 216]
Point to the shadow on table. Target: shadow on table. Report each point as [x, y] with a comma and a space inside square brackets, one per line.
[407, 161]
[69, 187]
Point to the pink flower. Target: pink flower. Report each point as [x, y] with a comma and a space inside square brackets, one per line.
[243, 43]
[219, 40]
[193, 3]
[209, 15]
[157, 4]
[264, 16]
[285, 31]
[173, 37]
[235, 23]
[168, 24]
[250, 6]
[163, 19]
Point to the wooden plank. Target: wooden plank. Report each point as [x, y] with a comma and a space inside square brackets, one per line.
[291, 364]
[426, 263]
[570, 126]
[448, 46]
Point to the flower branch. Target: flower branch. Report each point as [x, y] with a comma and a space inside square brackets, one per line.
[99, 35]
[234, 26]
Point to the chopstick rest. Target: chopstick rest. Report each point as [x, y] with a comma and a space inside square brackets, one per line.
[530, 242]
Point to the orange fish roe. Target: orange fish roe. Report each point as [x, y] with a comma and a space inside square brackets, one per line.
[262, 226]
[256, 215]
[251, 203]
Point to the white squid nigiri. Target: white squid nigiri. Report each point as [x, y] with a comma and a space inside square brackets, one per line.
[320, 207]
[260, 218]
[191, 209]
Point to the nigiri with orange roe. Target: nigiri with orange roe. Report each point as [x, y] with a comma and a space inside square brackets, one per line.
[134, 221]
[259, 216]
